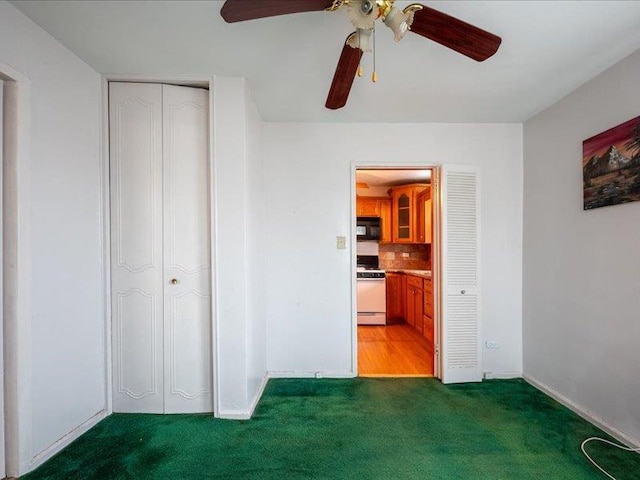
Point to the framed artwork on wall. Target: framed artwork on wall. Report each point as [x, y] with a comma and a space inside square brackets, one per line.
[611, 166]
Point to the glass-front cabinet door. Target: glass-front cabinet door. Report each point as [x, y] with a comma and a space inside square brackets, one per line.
[403, 215]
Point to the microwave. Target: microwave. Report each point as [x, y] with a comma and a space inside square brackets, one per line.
[368, 228]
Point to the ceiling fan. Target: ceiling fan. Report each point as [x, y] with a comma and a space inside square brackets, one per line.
[444, 29]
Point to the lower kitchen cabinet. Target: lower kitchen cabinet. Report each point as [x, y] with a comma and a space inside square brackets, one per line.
[414, 302]
[427, 309]
[395, 298]
[410, 300]
[403, 296]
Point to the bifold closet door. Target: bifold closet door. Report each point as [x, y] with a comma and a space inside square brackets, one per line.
[187, 266]
[160, 249]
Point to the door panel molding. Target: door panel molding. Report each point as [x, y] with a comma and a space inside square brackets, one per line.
[129, 320]
[143, 221]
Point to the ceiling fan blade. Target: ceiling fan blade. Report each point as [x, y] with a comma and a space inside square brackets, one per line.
[455, 34]
[343, 78]
[241, 10]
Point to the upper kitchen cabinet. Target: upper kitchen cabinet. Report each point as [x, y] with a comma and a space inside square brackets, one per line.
[367, 206]
[385, 220]
[376, 207]
[424, 216]
[404, 205]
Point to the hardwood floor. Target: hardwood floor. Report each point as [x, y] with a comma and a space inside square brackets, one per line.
[392, 350]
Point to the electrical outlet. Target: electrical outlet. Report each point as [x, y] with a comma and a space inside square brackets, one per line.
[492, 344]
[341, 243]
[405, 255]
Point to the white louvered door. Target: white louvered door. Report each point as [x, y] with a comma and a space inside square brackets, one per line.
[2, 420]
[460, 275]
[160, 275]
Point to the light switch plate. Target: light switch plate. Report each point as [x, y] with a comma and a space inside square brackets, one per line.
[341, 243]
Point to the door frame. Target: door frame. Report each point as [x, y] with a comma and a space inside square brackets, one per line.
[435, 253]
[201, 81]
[15, 322]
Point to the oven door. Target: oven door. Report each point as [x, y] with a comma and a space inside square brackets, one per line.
[372, 301]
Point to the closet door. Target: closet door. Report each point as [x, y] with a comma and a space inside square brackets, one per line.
[2, 420]
[161, 305]
[187, 266]
[460, 275]
[135, 121]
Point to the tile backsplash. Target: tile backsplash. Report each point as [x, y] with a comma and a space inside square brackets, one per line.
[410, 256]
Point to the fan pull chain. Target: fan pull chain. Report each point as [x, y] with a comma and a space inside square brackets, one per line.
[374, 75]
[360, 61]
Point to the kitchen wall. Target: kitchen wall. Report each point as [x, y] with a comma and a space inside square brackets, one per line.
[413, 256]
[60, 337]
[308, 194]
[582, 268]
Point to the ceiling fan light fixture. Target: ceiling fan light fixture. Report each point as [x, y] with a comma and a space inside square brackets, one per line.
[399, 22]
[362, 13]
[361, 39]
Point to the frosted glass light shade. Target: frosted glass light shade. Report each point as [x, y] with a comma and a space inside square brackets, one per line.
[361, 40]
[399, 22]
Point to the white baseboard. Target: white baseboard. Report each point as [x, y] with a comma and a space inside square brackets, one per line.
[258, 395]
[234, 414]
[505, 375]
[246, 414]
[309, 374]
[61, 443]
[584, 413]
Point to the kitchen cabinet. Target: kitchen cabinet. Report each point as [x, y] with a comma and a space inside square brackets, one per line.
[404, 206]
[415, 302]
[424, 216]
[403, 296]
[428, 327]
[385, 220]
[395, 298]
[367, 206]
[376, 207]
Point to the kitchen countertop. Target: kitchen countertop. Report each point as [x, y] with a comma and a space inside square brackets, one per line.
[417, 273]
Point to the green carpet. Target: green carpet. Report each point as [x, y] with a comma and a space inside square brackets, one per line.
[412, 428]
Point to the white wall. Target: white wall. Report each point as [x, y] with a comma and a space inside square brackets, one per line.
[66, 340]
[256, 218]
[582, 268]
[308, 195]
[241, 343]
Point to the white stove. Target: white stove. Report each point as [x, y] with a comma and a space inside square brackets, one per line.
[372, 295]
[369, 273]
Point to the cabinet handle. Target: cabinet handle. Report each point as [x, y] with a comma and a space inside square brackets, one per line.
[173, 281]
[463, 292]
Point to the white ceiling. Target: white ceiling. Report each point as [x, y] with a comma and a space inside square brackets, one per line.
[548, 49]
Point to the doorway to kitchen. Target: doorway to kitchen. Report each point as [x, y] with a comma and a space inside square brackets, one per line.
[396, 262]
